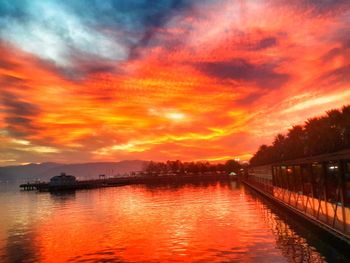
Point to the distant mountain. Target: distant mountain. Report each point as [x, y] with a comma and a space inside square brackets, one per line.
[25, 172]
[45, 171]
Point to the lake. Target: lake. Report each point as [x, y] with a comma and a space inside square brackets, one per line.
[203, 222]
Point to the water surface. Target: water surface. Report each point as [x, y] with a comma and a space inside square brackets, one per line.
[217, 222]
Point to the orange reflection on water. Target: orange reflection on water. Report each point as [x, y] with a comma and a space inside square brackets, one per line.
[208, 223]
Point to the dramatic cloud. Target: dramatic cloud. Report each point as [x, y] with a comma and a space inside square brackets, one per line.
[266, 43]
[19, 115]
[192, 80]
[263, 75]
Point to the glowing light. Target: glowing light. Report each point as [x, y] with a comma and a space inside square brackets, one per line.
[22, 142]
[333, 167]
[41, 149]
[175, 116]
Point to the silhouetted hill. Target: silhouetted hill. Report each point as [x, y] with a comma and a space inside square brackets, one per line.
[45, 171]
[29, 171]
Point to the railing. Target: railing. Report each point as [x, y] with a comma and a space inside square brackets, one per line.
[334, 215]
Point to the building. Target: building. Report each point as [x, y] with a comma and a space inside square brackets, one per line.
[63, 180]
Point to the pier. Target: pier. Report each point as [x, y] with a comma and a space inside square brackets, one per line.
[33, 186]
[120, 181]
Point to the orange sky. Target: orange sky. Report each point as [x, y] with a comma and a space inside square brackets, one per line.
[213, 81]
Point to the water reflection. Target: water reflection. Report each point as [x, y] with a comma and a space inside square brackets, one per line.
[20, 245]
[174, 186]
[297, 242]
[63, 196]
[204, 222]
[106, 255]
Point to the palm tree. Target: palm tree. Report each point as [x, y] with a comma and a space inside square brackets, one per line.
[319, 135]
[334, 118]
[279, 147]
[295, 142]
[313, 127]
[345, 124]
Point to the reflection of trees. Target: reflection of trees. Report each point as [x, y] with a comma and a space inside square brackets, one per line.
[319, 135]
[174, 186]
[20, 246]
[293, 238]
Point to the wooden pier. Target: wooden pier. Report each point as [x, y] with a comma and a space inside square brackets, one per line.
[120, 181]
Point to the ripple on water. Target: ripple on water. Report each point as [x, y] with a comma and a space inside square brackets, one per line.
[207, 223]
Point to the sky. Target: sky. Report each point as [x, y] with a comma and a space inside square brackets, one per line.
[91, 81]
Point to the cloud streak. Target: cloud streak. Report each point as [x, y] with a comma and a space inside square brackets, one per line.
[263, 75]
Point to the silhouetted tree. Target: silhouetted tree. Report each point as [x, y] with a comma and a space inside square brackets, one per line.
[180, 168]
[295, 142]
[319, 135]
[232, 166]
[346, 126]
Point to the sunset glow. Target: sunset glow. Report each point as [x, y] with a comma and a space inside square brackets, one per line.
[189, 80]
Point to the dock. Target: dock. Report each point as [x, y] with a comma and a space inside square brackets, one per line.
[121, 181]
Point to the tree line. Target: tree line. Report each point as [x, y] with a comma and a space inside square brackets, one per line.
[319, 135]
[178, 167]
